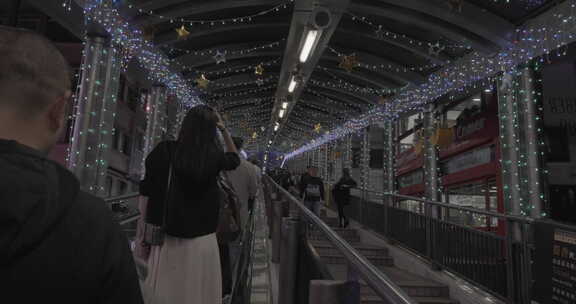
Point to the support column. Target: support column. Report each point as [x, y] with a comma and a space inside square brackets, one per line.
[509, 140]
[432, 189]
[348, 152]
[364, 170]
[530, 152]
[325, 160]
[157, 117]
[175, 120]
[389, 161]
[95, 114]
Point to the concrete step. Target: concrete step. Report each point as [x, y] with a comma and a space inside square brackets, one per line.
[338, 259]
[419, 300]
[350, 235]
[331, 221]
[413, 285]
[326, 248]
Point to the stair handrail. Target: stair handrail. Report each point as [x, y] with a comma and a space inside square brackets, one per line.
[515, 218]
[380, 282]
[123, 197]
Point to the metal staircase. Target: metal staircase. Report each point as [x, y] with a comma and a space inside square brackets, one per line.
[422, 290]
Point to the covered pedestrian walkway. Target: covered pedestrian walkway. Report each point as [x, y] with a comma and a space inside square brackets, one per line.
[456, 119]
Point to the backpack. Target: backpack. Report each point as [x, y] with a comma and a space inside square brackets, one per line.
[313, 192]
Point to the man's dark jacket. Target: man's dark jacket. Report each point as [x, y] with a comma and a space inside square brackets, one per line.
[57, 243]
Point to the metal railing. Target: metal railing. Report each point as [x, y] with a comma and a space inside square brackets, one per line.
[127, 218]
[500, 264]
[242, 282]
[380, 283]
[121, 198]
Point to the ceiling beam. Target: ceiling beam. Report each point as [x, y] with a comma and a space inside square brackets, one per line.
[472, 18]
[435, 16]
[357, 77]
[150, 5]
[180, 8]
[171, 37]
[403, 43]
[352, 97]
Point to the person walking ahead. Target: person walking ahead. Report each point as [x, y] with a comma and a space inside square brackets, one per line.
[186, 268]
[58, 244]
[312, 190]
[342, 195]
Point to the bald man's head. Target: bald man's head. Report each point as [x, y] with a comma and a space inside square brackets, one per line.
[33, 73]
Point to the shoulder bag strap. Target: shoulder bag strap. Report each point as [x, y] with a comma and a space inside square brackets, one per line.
[168, 193]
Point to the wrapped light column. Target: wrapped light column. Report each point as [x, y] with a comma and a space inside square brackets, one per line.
[156, 117]
[364, 169]
[348, 152]
[95, 114]
[432, 189]
[326, 161]
[509, 143]
[389, 161]
[175, 120]
[530, 152]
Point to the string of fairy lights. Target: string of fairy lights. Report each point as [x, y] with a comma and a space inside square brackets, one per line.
[233, 70]
[213, 22]
[388, 67]
[540, 38]
[130, 37]
[228, 52]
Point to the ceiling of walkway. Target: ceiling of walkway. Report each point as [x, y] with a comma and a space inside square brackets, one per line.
[395, 44]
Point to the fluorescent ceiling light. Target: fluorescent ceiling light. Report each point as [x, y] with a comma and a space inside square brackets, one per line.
[476, 99]
[488, 90]
[284, 105]
[281, 114]
[292, 85]
[308, 45]
[276, 128]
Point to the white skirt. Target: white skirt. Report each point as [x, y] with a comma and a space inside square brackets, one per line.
[184, 271]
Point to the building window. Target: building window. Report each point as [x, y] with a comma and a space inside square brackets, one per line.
[116, 139]
[122, 187]
[481, 195]
[109, 185]
[412, 206]
[411, 179]
[126, 145]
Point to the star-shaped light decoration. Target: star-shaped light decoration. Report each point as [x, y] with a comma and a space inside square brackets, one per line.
[182, 32]
[148, 32]
[435, 49]
[382, 99]
[202, 82]
[259, 70]
[220, 57]
[349, 62]
[259, 81]
[254, 135]
[455, 5]
[379, 33]
[317, 128]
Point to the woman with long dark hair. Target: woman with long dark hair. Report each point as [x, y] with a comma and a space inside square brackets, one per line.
[186, 268]
[342, 195]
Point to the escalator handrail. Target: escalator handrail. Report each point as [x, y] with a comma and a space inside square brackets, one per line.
[379, 281]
